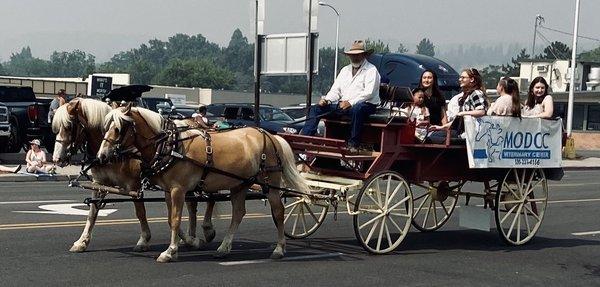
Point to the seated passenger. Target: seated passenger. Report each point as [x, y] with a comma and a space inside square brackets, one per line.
[509, 103]
[354, 93]
[539, 104]
[472, 101]
[434, 100]
[418, 113]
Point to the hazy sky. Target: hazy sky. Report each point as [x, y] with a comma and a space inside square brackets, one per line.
[109, 26]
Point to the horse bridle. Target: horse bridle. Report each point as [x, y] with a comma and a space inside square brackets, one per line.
[77, 136]
[118, 142]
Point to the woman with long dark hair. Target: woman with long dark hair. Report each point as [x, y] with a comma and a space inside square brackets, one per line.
[509, 103]
[539, 103]
[434, 101]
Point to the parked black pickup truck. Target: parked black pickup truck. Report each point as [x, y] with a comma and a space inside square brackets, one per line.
[28, 118]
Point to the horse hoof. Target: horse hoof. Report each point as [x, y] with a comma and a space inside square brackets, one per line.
[197, 243]
[165, 257]
[209, 234]
[276, 255]
[141, 248]
[78, 247]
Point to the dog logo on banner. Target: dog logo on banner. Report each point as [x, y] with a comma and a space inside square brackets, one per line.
[492, 132]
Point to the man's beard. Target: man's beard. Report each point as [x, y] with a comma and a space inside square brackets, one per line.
[357, 64]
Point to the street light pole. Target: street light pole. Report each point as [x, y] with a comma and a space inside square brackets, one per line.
[572, 72]
[337, 37]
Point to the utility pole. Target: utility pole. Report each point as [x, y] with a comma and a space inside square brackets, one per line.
[572, 72]
[538, 21]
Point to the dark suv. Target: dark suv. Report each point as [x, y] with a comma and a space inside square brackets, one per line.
[272, 119]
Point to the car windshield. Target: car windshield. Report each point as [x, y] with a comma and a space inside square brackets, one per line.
[296, 113]
[272, 114]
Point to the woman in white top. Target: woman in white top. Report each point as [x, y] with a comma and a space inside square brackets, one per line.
[508, 104]
[539, 104]
[36, 159]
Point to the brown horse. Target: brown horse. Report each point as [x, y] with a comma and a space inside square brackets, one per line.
[243, 152]
[78, 124]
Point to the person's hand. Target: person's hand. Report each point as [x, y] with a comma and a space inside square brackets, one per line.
[435, 128]
[344, 105]
[323, 102]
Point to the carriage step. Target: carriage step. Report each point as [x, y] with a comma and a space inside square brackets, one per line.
[363, 156]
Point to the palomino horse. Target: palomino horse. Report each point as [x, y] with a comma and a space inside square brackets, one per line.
[246, 153]
[79, 124]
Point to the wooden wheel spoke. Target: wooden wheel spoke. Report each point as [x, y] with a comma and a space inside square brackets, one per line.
[445, 209]
[374, 201]
[532, 188]
[311, 212]
[511, 190]
[371, 232]
[388, 200]
[397, 227]
[427, 213]
[378, 193]
[303, 218]
[434, 213]
[420, 196]
[512, 225]
[374, 219]
[388, 235]
[399, 202]
[381, 228]
[290, 214]
[295, 203]
[518, 226]
[420, 206]
[387, 191]
[295, 223]
[533, 213]
[537, 199]
[508, 213]
[399, 214]
[511, 202]
[526, 220]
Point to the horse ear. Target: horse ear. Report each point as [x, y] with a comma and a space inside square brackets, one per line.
[72, 107]
[128, 108]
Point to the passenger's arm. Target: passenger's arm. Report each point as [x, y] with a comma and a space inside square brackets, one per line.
[27, 156]
[444, 116]
[548, 105]
[475, 113]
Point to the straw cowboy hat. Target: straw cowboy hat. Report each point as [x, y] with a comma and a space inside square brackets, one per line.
[35, 142]
[358, 47]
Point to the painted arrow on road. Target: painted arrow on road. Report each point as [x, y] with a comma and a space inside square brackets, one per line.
[67, 209]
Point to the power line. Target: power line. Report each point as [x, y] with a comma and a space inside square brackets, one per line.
[567, 33]
[551, 49]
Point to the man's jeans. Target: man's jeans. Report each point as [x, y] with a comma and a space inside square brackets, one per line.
[358, 113]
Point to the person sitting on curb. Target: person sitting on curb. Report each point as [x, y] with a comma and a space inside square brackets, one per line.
[36, 159]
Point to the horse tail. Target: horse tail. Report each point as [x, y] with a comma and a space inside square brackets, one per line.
[292, 177]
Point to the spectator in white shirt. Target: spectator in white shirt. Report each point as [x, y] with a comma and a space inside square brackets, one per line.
[355, 93]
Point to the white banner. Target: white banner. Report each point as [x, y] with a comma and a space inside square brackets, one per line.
[494, 141]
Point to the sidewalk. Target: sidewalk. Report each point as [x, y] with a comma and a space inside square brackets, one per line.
[586, 160]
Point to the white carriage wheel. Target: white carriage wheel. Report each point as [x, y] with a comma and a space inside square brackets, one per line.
[434, 203]
[520, 205]
[383, 212]
[304, 216]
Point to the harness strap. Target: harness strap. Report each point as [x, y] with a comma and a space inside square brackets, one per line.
[209, 159]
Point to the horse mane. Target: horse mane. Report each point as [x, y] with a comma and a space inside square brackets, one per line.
[61, 119]
[118, 116]
[93, 110]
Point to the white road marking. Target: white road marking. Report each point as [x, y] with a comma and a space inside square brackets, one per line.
[67, 209]
[35, 201]
[304, 257]
[586, 233]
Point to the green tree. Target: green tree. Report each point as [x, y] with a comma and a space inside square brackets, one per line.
[513, 68]
[401, 49]
[591, 55]
[426, 47]
[24, 64]
[377, 46]
[2, 70]
[72, 64]
[238, 57]
[491, 75]
[196, 73]
[556, 50]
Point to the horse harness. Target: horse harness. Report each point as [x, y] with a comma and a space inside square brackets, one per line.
[169, 147]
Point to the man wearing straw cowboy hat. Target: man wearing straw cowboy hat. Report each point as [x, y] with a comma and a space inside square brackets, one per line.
[354, 93]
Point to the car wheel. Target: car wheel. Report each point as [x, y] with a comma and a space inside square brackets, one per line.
[13, 144]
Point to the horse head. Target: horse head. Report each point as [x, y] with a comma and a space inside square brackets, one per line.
[128, 129]
[77, 124]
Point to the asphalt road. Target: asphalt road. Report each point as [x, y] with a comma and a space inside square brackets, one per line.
[34, 248]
